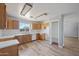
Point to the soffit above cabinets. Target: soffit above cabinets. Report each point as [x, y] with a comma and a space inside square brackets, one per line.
[52, 9]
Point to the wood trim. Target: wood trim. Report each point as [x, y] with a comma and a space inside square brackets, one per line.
[6, 39]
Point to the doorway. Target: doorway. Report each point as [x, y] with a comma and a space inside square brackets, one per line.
[54, 33]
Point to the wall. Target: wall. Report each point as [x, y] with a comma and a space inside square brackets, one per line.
[0, 32]
[11, 32]
[78, 30]
[46, 31]
[70, 26]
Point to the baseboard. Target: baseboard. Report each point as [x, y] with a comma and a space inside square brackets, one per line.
[70, 37]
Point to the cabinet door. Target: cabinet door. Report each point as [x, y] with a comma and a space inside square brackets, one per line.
[36, 26]
[12, 24]
[24, 38]
[16, 24]
[37, 36]
[2, 16]
[9, 24]
[40, 36]
[27, 38]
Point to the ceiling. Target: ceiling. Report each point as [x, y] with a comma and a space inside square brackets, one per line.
[52, 9]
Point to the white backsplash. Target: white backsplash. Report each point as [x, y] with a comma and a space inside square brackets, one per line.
[10, 32]
[18, 32]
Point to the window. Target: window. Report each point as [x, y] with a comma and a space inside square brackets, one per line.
[24, 26]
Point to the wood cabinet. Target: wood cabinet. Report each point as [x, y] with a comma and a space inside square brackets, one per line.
[44, 25]
[6, 22]
[40, 36]
[15, 24]
[39, 26]
[11, 23]
[9, 51]
[36, 26]
[2, 16]
[24, 38]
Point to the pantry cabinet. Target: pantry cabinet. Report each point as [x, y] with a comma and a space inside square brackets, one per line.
[2, 16]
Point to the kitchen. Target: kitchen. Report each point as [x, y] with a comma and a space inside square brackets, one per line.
[30, 29]
[10, 29]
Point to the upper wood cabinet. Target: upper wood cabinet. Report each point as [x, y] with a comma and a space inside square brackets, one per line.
[44, 25]
[2, 16]
[15, 24]
[11, 23]
[39, 26]
[36, 26]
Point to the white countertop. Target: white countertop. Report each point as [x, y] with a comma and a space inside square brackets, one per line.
[3, 37]
[25, 33]
[8, 43]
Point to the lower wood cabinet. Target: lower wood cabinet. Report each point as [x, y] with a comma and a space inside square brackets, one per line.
[19, 38]
[9, 51]
[24, 38]
[40, 36]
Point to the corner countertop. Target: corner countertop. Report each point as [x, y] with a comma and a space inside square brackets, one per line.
[3, 37]
[8, 43]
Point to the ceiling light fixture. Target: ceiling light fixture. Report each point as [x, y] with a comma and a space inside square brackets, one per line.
[44, 14]
[27, 7]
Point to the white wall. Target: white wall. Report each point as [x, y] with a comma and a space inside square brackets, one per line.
[11, 32]
[70, 26]
[0, 32]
